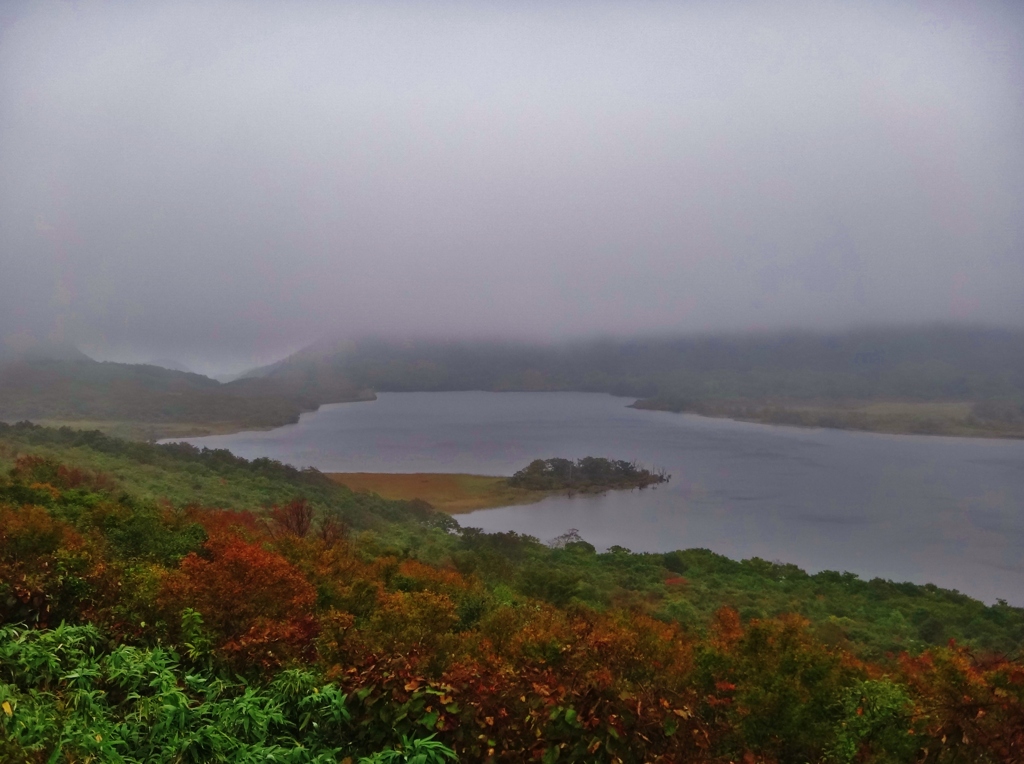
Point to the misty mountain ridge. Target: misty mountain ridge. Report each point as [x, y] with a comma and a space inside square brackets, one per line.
[939, 379]
[949, 380]
[927, 363]
[170, 364]
[140, 400]
[35, 350]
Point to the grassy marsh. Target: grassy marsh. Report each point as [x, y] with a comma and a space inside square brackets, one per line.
[950, 418]
[451, 493]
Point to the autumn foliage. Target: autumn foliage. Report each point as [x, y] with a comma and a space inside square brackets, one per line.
[258, 607]
[417, 647]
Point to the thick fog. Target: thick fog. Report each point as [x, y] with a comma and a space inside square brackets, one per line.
[223, 182]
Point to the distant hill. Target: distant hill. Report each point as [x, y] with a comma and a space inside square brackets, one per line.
[169, 363]
[39, 351]
[937, 380]
[935, 363]
[953, 380]
[141, 400]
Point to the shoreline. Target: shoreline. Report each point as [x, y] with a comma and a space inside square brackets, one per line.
[153, 432]
[943, 418]
[884, 417]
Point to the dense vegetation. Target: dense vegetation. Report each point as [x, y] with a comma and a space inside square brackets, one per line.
[284, 618]
[590, 474]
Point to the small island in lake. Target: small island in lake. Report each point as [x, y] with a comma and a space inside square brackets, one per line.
[588, 475]
[456, 493]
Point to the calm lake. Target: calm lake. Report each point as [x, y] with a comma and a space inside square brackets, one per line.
[948, 511]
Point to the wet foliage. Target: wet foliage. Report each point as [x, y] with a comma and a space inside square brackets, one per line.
[300, 630]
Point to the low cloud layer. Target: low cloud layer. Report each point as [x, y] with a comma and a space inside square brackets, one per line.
[223, 182]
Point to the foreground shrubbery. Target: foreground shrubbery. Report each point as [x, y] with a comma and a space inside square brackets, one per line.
[146, 631]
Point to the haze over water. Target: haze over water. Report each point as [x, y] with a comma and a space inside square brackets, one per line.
[948, 511]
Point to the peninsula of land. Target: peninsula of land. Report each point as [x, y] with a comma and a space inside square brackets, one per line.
[458, 493]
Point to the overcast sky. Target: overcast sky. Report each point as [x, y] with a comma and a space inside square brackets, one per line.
[221, 183]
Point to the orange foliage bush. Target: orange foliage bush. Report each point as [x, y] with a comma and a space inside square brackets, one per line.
[726, 629]
[438, 580]
[973, 705]
[47, 571]
[411, 622]
[40, 470]
[28, 533]
[225, 522]
[517, 705]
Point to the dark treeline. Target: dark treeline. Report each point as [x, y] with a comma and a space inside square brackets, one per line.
[589, 474]
[921, 364]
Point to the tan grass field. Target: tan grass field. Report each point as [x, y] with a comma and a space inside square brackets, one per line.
[896, 417]
[951, 418]
[452, 493]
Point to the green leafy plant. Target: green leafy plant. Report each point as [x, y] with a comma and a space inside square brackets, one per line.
[423, 750]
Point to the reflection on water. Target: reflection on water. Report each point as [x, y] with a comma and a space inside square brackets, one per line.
[944, 510]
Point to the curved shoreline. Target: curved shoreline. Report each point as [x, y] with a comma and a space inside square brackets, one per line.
[886, 417]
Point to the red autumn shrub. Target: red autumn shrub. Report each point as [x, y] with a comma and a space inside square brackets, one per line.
[257, 606]
[295, 517]
[227, 522]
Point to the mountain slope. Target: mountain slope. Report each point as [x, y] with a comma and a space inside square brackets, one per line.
[950, 380]
[144, 401]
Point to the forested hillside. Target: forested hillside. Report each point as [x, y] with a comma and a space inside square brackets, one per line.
[164, 601]
[938, 380]
[143, 401]
[950, 380]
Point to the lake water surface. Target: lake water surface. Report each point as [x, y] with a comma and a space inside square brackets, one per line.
[948, 511]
